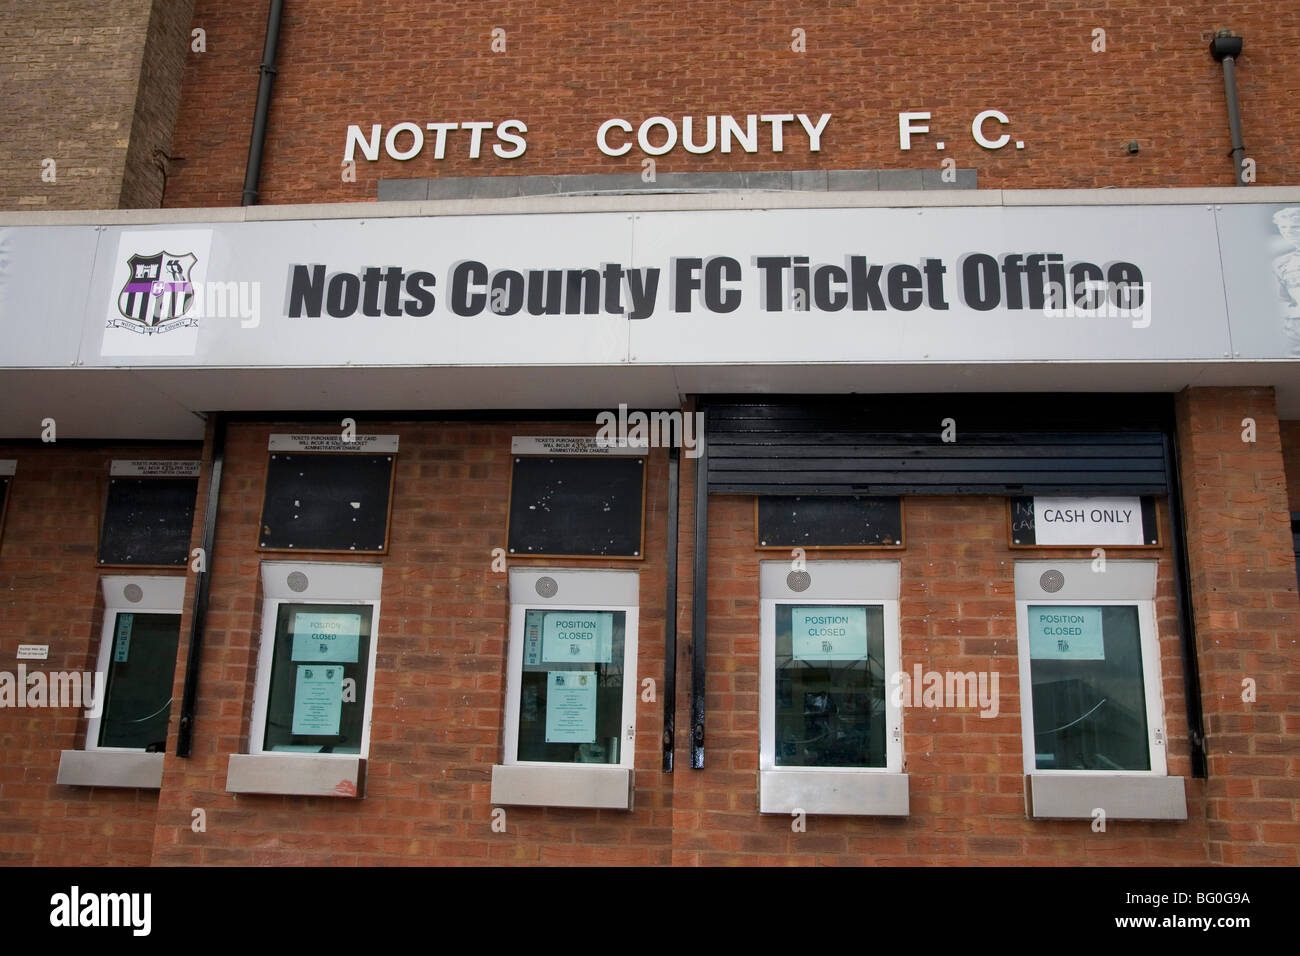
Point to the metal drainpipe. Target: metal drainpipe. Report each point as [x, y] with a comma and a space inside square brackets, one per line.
[670, 611]
[253, 172]
[1226, 48]
[199, 615]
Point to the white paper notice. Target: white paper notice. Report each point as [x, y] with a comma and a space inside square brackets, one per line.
[1088, 521]
[570, 707]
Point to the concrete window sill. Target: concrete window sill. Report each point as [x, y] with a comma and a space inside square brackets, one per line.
[595, 787]
[840, 792]
[1121, 796]
[306, 775]
[110, 768]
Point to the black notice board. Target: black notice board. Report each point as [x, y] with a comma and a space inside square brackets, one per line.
[1024, 534]
[831, 521]
[577, 506]
[148, 521]
[326, 502]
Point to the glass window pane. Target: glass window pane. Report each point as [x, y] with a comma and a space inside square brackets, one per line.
[830, 685]
[310, 706]
[138, 692]
[571, 688]
[1085, 665]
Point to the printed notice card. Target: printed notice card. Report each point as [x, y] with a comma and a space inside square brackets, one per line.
[326, 637]
[318, 700]
[831, 633]
[585, 636]
[1066, 634]
[570, 707]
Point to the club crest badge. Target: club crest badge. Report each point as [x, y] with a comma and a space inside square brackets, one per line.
[158, 295]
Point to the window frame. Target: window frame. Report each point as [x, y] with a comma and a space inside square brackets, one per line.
[162, 594]
[364, 580]
[892, 659]
[584, 582]
[1149, 646]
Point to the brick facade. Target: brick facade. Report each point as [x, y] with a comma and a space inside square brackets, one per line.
[564, 71]
[1243, 581]
[94, 87]
[50, 594]
[439, 682]
[439, 687]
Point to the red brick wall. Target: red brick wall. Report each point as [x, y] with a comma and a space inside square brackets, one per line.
[50, 594]
[957, 612]
[440, 679]
[439, 685]
[1243, 581]
[565, 70]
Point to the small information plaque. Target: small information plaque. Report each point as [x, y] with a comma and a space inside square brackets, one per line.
[570, 445]
[122, 642]
[162, 468]
[333, 442]
[33, 652]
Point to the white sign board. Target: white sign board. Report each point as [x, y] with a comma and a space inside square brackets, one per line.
[569, 445]
[165, 468]
[370, 444]
[1097, 283]
[1088, 521]
[33, 652]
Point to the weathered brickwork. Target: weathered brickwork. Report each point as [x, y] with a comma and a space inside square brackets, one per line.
[567, 68]
[93, 87]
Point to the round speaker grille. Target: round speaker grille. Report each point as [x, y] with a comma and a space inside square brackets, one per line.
[297, 582]
[547, 587]
[798, 581]
[1051, 581]
[133, 593]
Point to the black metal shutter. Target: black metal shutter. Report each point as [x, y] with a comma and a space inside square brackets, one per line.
[892, 445]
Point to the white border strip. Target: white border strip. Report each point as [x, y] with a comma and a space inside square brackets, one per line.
[749, 199]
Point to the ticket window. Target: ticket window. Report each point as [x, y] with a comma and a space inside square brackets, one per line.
[310, 727]
[570, 720]
[831, 731]
[1092, 713]
[129, 696]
